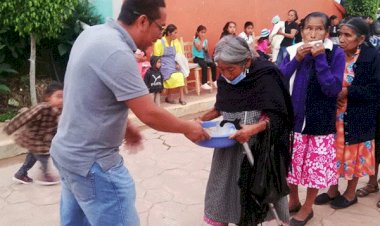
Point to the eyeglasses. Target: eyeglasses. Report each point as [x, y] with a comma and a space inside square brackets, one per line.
[160, 27]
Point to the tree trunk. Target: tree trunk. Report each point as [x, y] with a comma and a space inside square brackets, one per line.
[32, 73]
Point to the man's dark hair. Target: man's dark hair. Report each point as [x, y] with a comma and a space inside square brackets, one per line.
[132, 9]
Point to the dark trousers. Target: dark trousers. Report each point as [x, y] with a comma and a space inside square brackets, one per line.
[29, 162]
[203, 64]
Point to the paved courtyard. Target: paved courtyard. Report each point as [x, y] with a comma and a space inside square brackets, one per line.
[170, 175]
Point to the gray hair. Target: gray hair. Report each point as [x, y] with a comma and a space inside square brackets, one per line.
[233, 50]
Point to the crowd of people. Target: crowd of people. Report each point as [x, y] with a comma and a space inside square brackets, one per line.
[305, 93]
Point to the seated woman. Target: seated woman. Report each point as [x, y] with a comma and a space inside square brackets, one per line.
[250, 90]
[199, 49]
[228, 29]
[167, 47]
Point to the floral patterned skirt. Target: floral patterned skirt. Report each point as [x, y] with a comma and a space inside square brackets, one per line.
[356, 160]
[313, 161]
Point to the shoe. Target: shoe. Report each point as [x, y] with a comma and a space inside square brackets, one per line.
[341, 202]
[48, 179]
[206, 86]
[215, 84]
[324, 198]
[182, 102]
[22, 179]
[295, 222]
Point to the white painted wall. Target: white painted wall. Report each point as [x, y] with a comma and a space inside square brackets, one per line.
[116, 5]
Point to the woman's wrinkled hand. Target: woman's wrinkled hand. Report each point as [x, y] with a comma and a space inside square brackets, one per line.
[245, 133]
[317, 49]
[302, 51]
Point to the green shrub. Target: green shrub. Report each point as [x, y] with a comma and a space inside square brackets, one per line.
[8, 115]
[361, 7]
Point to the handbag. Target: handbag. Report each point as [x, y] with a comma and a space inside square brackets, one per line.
[263, 183]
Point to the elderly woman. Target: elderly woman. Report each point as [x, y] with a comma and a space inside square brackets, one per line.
[314, 69]
[250, 90]
[358, 105]
[167, 47]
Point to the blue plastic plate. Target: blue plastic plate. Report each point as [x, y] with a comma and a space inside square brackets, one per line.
[218, 140]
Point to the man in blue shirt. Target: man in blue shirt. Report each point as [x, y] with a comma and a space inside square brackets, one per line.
[102, 82]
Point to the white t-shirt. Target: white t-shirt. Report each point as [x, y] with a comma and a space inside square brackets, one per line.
[249, 39]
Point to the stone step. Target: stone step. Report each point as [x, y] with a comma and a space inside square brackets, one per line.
[194, 105]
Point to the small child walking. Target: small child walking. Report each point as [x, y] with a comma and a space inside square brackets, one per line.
[39, 127]
[154, 79]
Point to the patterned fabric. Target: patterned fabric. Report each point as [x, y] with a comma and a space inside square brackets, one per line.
[40, 122]
[355, 160]
[313, 161]
[222, 199]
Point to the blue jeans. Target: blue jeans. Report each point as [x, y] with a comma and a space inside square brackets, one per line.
[29, 162]
[100, 198]
[281, 55]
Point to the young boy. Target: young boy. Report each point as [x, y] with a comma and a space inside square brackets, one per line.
[40, 125]
[248, 34]
[154, 79]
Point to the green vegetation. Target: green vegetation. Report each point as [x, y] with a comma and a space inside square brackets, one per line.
[36, 19]
[361, 7]
[52, 51]
[8, 115]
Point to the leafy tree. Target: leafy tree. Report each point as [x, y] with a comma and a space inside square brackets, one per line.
[38, 19]
[361, 7]
[59, 48]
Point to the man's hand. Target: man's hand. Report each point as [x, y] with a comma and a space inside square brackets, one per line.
[133, 139]
[196, 132]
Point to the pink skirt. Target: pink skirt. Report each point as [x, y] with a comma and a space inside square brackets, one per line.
[313, 161]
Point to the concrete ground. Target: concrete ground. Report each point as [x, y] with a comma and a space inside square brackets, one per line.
[170, 175]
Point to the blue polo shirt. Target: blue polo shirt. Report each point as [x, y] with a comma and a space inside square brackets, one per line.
[101, 74]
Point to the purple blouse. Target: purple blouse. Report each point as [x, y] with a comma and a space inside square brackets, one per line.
[330, 79]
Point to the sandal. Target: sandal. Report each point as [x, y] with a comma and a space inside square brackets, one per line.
[365, 191]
